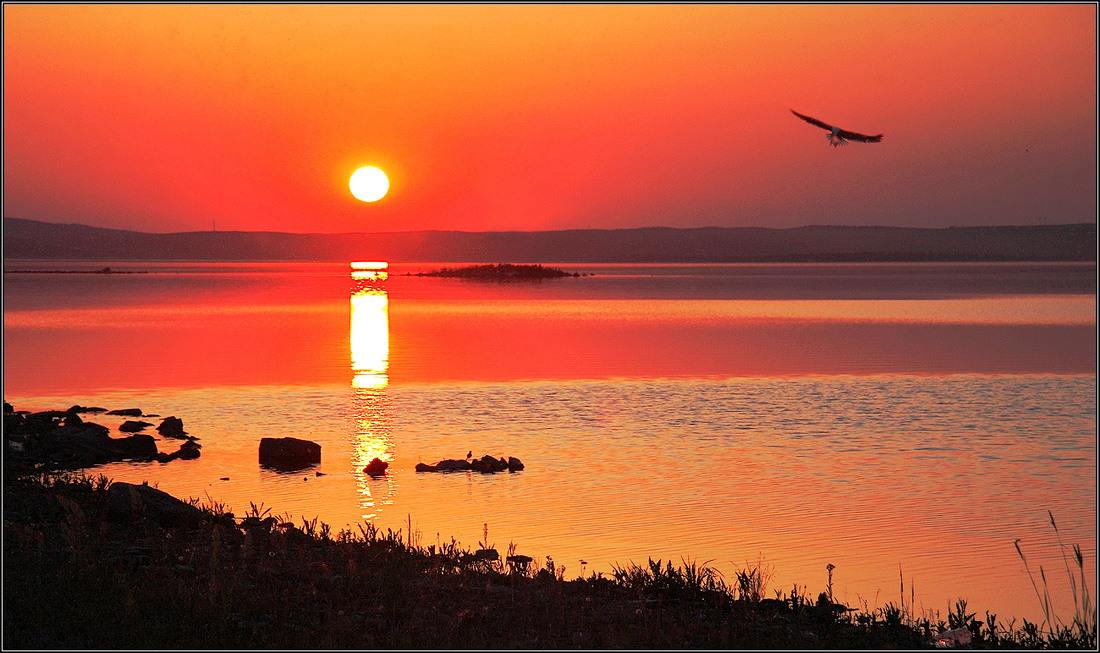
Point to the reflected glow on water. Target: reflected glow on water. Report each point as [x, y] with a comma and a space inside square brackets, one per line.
[371, 427]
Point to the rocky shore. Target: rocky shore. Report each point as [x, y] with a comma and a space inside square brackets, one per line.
[62, 439]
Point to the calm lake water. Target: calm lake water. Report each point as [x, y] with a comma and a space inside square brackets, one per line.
[875, 417]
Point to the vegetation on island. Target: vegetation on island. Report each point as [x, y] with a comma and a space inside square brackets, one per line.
[501, 272]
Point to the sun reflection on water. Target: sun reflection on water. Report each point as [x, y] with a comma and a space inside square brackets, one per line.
[371, 428]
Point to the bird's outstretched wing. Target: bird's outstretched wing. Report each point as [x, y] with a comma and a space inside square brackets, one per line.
[862, 138]
[843, 133]
[813, 121]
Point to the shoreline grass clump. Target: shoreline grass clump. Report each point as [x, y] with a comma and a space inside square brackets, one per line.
[78, 573]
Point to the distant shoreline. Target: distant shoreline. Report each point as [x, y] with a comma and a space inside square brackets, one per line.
[102, 271]
[31, 239]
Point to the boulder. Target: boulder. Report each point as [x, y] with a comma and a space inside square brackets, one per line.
[189, 450]
[514, 464]
[172, 427]
[376, 467]
[288, 454]
[138, 445]
[128, 412]
[488, 465]
[8, 408]
[128, 501]
[132, 426]
[452, 465]
[86, 409]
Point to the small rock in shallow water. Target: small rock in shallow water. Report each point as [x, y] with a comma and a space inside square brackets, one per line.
[376, 467]
[128, 412]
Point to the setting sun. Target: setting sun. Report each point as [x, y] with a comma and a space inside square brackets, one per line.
[369, 184]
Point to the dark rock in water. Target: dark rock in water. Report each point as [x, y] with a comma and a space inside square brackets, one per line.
[128, 501]
[8, 408]
[376, 467]
[139, 445]
[189, 450]
[72, 419]
[288, 454]
[487, 465]
[128, 412]
[452, 465]
[131, 426]
[86, 409]
[172, 427]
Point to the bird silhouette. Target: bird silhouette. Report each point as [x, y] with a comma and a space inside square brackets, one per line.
[838, 136]
[469, 454]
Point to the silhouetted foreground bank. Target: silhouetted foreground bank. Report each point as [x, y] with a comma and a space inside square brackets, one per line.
[91, 564]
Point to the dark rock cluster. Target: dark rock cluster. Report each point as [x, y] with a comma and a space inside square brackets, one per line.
[56, 439]
[486, 465]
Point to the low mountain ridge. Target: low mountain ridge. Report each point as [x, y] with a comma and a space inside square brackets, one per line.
[32, 239]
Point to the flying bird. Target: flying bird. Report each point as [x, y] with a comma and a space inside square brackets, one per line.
[836, 135]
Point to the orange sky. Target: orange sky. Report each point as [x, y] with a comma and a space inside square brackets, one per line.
[525, 117]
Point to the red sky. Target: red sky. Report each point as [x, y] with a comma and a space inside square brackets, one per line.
[526, 117]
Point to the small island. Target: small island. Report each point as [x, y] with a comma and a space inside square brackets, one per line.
[500, 272]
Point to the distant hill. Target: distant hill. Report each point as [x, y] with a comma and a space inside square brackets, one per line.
[31, 239]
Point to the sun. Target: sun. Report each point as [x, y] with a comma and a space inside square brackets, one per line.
[369, 184]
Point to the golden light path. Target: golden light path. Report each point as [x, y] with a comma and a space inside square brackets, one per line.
[371, 427]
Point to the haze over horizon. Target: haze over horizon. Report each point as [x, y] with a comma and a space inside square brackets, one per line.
[177, 118]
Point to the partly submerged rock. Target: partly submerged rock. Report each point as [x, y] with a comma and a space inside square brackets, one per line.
[486, 465]
[138, 445]
[128, 412]
[189, 450]
[132, 426]
[172, 427]
[288, 454]
[376, 467]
